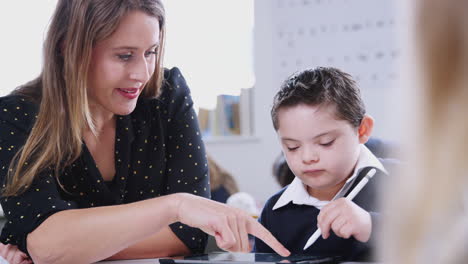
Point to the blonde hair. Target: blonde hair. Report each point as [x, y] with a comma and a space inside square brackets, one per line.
[428, 222]
[60, 90]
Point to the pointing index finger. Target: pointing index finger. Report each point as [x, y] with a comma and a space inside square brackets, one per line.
[256, 229]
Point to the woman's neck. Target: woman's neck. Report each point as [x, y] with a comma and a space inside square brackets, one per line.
[102, 118]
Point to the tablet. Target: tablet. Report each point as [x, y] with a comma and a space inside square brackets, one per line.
[243, 258]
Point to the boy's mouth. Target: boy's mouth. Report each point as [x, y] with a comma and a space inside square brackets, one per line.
[313, 173]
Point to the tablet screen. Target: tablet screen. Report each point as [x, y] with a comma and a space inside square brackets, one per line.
[223, 257]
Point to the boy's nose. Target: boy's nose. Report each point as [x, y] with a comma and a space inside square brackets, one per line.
[309, 157]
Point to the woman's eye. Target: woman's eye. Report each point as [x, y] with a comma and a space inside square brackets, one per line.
[327, 144]
[149, 53]
[124, 57]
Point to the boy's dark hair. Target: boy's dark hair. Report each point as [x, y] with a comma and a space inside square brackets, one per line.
[282, 172]
[322, 85]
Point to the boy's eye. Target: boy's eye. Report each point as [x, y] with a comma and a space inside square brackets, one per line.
[292, 148]
[124, 57]
[327, 144]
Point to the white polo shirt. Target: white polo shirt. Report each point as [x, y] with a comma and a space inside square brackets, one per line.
[297, 193]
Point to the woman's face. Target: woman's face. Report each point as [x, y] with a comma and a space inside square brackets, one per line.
[122, 64]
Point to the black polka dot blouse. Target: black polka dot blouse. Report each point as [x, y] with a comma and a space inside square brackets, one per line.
[158, 151]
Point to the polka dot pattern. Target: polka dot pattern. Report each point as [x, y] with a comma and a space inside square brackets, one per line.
[158, 151]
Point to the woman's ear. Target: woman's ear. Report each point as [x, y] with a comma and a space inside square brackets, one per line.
[365, 129]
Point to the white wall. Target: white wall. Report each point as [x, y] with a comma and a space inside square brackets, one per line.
[22, 27]
[208, 43]
[359, 37]
[250, 161]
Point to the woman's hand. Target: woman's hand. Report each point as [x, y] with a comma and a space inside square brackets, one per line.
[346, 219]
[13, 255]
[230, 226]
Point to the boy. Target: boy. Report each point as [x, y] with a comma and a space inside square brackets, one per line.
[321, 122]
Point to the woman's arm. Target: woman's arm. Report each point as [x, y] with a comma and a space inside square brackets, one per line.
[162, 244]
[90, 235]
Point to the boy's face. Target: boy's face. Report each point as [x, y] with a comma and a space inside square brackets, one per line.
[320, 149]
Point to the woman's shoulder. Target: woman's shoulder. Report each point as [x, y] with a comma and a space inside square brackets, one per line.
[173, 103]
[174, 86]
[18, 110]
[174, 94]
[174, 79]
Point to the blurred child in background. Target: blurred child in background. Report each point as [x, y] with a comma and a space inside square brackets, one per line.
[222, 184]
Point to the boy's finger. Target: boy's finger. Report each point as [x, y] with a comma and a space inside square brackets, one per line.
[325, 220]
[345, 231]
[328, 212]
[337, 227]
[324, 228]
[259, 231]
[325, 232]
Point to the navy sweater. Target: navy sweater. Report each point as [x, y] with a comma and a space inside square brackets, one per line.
[293, 224]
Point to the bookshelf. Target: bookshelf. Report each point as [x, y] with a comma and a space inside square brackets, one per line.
[232, 139]
[230, 119]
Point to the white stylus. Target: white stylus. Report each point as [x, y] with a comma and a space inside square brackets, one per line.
[350, 197]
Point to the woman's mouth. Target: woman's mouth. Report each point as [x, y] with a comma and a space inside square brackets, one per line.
[129, 93]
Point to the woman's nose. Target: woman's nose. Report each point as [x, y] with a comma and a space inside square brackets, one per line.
[141, 70]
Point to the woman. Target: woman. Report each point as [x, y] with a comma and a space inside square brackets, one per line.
[104, 150]
[431, 220]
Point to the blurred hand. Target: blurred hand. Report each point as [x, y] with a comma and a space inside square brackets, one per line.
[13, 255]
[346, 219]
[230, 226]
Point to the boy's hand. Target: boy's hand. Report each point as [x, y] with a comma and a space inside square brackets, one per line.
[346, 219]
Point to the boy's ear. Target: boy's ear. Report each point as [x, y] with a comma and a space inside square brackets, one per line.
[365, 129]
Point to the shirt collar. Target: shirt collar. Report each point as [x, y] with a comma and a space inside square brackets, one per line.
[296, 192]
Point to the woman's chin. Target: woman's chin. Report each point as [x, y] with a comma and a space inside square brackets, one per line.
[123, 111]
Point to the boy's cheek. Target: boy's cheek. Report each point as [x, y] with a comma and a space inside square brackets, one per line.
[292, 166]
[290, 159]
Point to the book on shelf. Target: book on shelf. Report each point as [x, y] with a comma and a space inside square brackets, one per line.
[245, 111]
[204, 121]
[231, 117]
[227, 115]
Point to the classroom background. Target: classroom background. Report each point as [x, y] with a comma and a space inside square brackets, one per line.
[235, 54]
